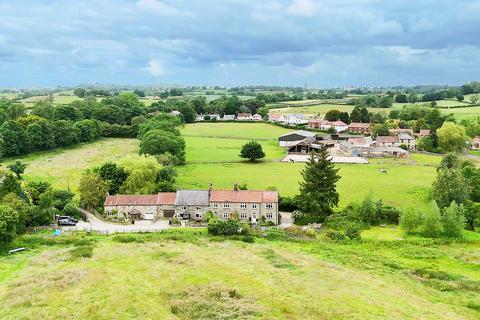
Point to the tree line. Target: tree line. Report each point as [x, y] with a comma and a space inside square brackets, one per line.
[24, 205]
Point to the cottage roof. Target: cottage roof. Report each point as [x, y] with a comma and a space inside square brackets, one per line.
[405, 136]
[387, 139]
[359, 125]
[166, 198]
[244, 114]
[338, 123]
[243, 196]
[125, 200]
[424, 133]
[192, 198]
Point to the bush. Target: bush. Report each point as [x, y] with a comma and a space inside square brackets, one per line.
[219, 227]
[410, 221]
[70, 209]
[353, 230]
[274, 234]
[432, 224]
[453, 221]
[310, 232]
[208, 216]
[288, 204]
[335, 235]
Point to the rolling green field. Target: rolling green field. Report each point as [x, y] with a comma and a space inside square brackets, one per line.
[465, 112]
[185, 274]
[63, 167]
[406, 184]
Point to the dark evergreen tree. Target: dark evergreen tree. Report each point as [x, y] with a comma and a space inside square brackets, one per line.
[318, 190]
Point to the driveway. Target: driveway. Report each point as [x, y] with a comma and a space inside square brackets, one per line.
[95, 224]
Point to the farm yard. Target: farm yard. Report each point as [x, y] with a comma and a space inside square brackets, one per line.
[187, 274]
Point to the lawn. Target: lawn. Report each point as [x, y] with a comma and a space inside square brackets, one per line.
[188, 275]
[63, 167]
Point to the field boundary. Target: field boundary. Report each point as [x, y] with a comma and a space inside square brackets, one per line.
[227, 137]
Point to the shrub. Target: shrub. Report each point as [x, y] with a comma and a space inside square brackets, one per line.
[219, 227]
[453, 221]
[404, 147]
[353, 230]
[70, 209]
[310, 232]
[234, 216]
[208, 216]
[432, 224]
[410, 221]
[335, 235]
[275, 234]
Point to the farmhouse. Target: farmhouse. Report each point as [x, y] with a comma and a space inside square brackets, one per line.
[360, 127]
[339, 126]
[257, 117]
[244, 116]
[228, 117]
[387, 141]
[407, 140]
[294, 119]
[250, 205]
[276, 118]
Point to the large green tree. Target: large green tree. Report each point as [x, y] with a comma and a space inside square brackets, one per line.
[451, 137]
[157, 142]
[450, 186]
[142, 174]
[318, 190]
[252, 150]
[15, 138]
[9, 222]
[113, 175]
[92, 189]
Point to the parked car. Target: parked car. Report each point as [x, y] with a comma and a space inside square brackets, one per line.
[66, 222]
[68, 218]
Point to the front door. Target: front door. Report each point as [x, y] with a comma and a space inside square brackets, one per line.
[254, 218]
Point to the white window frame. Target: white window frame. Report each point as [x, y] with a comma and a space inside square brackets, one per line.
[226, 215]
[269, 215]
[184, 207]
[254, 206]
[243, 215]
[226, 204]
[243, 205]
[269, 205]
[215, 204]
[199, 208]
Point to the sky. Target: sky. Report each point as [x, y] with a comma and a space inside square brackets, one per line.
[324, 43]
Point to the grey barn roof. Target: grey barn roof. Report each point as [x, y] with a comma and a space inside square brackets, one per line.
[303, 133]
[192, 198]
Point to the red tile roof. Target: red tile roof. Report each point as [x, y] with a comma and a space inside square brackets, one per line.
[338, 123]
[123, 200]
[243, 196]
[166, 198]
[359, 125]
[244, 115]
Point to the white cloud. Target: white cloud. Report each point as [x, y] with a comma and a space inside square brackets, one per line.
[156, 68]
[158, 7]
[302, 8]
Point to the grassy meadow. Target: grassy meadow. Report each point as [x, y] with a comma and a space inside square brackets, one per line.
[185, 274]
[63, 167]
[406, 184]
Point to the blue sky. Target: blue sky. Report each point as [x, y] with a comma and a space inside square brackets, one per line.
[239, 42]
